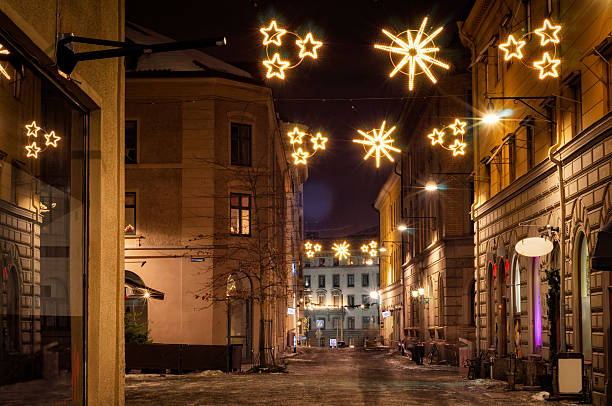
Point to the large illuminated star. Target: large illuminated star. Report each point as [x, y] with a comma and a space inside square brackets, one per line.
[318, 142]
[342, 250]
[379, 142]
[299, 157]
[458, 147]
[33, 129]
[295, 136]
[458, 127]
[414, 52]
[272, 34]
[436, 137]
[276, 67]
[548, 33]
[52, 139]
[547, 66]
[512, 48]
[308, 51]
[33, 150]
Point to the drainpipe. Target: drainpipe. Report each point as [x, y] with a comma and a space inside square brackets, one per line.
[559, 165]
[402, 253]
[472, 44]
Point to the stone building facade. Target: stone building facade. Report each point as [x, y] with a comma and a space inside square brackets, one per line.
[543, 169]
[214, 213]
[341, 294]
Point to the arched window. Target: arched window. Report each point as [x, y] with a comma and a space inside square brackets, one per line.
[516, 286]
[583, 292]
[239, 295]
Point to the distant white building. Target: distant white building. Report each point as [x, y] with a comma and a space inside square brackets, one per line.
[340, 294]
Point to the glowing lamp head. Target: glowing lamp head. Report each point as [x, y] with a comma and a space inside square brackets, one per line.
[382, 249]
[415, 293]
[402, 227]
[491, 118]
[369, 262]
[374, 294]
[421, 291]
[147, 295]
[431, 186]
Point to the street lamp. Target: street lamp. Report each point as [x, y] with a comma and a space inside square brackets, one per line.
[402, 227]
[431, 186]
[374, 294]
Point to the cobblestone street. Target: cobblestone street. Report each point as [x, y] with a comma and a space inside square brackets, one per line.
[327, 377]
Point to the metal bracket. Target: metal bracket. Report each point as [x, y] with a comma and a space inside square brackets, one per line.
[67, 58]
[519, 99]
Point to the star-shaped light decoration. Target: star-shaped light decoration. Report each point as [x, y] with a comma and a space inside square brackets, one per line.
[309, 254]
[458, 127]
[548, 33]
[52, 139]
[378, 142]
[414, 53]
[436, 137]
[365, 248]
[512, 48]
[318, 142]
[4, 51]
[33, 150]
[547, 66]
[33, 129]
[342, 250]
[308, 245]
[299, 157]
[317, 248]
[276, 67]
[373, 253]
[306, 50]
[373, 244]
[272, 34]
[458, 147]
[295, 136]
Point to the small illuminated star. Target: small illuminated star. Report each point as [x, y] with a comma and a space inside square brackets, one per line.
[458, 127]
[272, 34]
[317, 248]
[308, 245]
[52, 139]
[512, 48]
[414, 52]
[373, 253]
[276, 67]
[440, 137]
[373, 244]
[296, 136]
[548, 33]
[33, 129]
[365, 248]
[33, 150]
[379, 142]
[458, 147]
[547, 66]
[342, 250]
[299, 157]
[309, 254]
[318, 142]
[312, 52]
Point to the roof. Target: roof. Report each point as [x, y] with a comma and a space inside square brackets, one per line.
[176, 61]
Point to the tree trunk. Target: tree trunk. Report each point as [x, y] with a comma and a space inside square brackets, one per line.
[262, 336]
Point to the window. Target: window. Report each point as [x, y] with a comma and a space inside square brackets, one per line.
[350, 280]
[365, 299]
[350, 323]
[321, 261]
[240, 214]
[583, 286]
[336, 281]
[130, 213]
[321, 281]
[366, 322]
[131, 141]
[336, 299]
[365, 280]
[377, 280]
[573, 101]
[321, 298]
[350, 300]
[512, 156]
[241, 144]
[336, 261]
[307, 263]
[335, 323]
[307, 281]
[530, 141]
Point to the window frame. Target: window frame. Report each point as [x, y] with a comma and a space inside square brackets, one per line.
[233, 122]
[240, 209]
[365, 280]
[307, 281]
[137, 121]
[131, 207]
[336, 278]
[321, 278]
[350, 280]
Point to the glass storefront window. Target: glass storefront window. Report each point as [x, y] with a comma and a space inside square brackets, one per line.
[42, 238]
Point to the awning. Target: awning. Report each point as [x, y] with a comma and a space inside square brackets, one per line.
[134, 281]
[602, 256]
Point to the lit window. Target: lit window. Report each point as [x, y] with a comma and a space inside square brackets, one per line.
[240, 214]
[130, 213]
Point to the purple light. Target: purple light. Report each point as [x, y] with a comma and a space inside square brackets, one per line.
[537, 307]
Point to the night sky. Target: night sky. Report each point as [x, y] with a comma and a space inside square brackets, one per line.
[345, 89]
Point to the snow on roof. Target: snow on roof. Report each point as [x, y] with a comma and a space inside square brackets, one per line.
[175, 61]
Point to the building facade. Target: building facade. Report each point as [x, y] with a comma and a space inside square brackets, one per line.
[341, 294]
[213, 204]
[435, 204]
[391, 291]
[543, 169]
[61, 323]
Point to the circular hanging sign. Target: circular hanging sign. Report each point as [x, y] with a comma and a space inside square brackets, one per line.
[534, 246]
